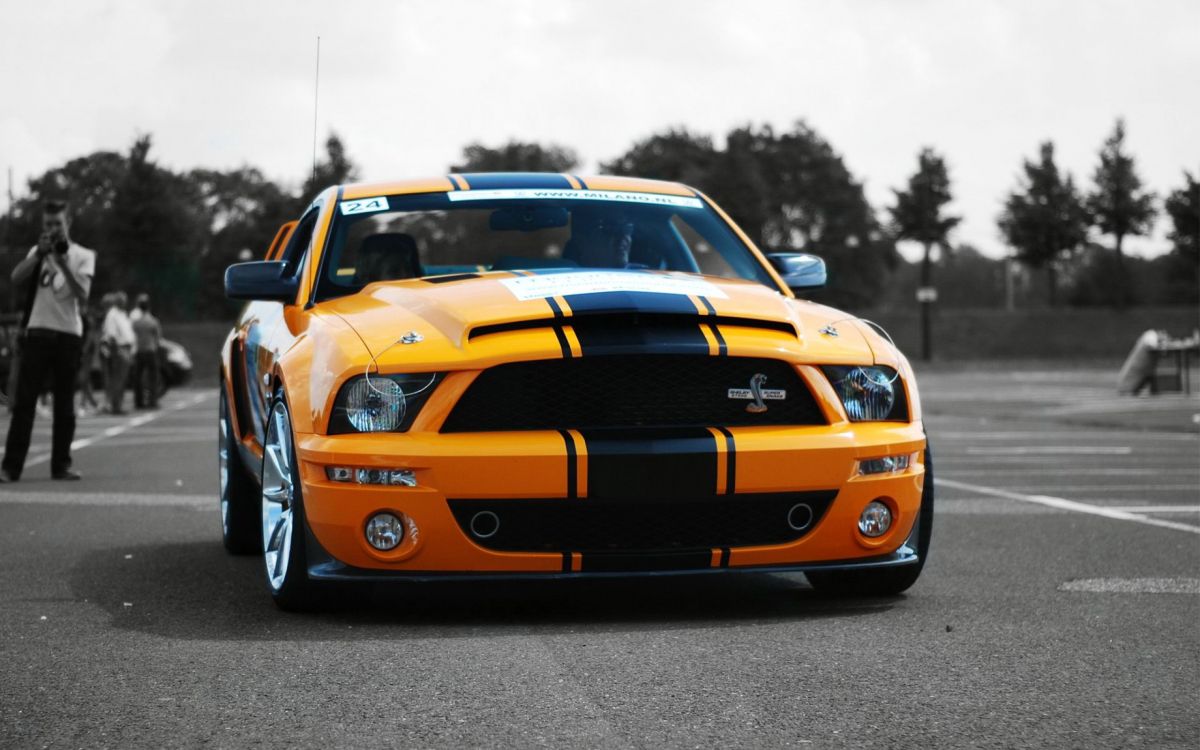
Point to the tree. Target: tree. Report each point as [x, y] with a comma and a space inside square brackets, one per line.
[154, 234]
[814, 204]
[1183, 263]
[1118, 204]
[918, 216]
[242, 210]
[336, 169]
[517, 156]
[675, 155]
[1044, 220]
[787, 191]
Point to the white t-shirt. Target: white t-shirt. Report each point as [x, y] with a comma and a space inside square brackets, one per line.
[54, 307]
[117, 329]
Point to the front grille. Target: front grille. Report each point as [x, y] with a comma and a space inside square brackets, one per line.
[629, 391]
[594, 526]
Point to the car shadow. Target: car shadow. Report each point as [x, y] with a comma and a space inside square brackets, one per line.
[197, 591]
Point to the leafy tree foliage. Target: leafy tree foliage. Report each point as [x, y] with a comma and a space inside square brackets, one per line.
[1183, 264]
[917, 214]
[1117, 203]
[787, 191]
[677, 155]
[1044, 220]
[242, 210]
[517, 156]
[154, 234]
[335, 169]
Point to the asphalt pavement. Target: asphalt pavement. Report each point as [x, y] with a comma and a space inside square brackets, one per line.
[1060, 608]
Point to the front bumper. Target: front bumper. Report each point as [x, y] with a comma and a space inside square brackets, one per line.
[568, 467]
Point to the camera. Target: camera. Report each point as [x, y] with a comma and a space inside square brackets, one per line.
[61, 245]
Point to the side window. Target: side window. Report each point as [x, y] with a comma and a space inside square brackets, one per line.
[297, 246]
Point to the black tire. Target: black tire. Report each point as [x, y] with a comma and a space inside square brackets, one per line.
[294, 592]
[241, 525]
[884, 581]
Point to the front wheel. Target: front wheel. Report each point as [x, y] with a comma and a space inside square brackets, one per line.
[284, 560]
[885, 581]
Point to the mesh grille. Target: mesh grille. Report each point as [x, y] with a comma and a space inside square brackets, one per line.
[629, 391]
[608, 526]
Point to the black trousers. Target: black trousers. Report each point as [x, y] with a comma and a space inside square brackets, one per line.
[145, 379]
[45, 356]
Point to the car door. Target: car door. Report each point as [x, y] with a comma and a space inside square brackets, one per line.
[261, 326]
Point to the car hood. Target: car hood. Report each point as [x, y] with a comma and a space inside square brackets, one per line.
[451, 313]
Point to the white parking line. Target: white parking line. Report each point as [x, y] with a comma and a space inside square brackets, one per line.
[1108, 434]
[1051, 450]
[1064, 504]
[1071, 471]
[1155, 508]
[124, 427]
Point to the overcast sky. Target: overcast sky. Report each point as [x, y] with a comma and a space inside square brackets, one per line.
[406, 84]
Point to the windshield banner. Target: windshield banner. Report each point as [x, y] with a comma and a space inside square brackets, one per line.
[648, 199]
[595, 282]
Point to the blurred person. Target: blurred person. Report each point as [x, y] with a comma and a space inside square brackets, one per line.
[120, 342]
[1141, 366]
[148, 332]
[599, 241]
[60, 273]
[88, 360]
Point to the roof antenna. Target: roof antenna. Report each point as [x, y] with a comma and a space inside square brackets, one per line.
[316, 92]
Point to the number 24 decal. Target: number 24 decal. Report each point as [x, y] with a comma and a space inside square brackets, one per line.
[364, 206]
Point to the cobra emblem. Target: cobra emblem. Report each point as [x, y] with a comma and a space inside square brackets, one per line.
[756, 384]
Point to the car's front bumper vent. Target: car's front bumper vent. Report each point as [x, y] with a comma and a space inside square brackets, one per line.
[611, 526]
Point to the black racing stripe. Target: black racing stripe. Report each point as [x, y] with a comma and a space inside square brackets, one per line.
[724, 557]
[515, 180]
[561, 335]
[566, 566]
[626, 322]
[631, 302]
[658, 465]
[730, 461]
[643, 561]
[609, 336]
[563, 343]
[722, 347]
[572, 465]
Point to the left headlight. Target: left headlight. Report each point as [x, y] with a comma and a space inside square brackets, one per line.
[869, 393]
[380, 403]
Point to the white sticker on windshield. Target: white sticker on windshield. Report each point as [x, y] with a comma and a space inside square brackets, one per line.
[649, 199]
[364, 205]
[594, 282]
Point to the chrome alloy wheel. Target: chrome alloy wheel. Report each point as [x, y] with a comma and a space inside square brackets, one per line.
[277, 496]
[223, 449]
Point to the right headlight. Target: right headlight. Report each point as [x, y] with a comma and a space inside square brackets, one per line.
[380, 403]
[869, 393]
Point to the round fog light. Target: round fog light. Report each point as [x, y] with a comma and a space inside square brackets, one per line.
[384, 531]
[875, 520]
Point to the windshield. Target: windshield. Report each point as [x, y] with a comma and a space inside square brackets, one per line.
[410, 236]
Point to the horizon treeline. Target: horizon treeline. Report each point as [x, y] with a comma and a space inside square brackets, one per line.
[173, 233]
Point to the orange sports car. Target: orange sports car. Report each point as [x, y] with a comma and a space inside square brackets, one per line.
[524, 375]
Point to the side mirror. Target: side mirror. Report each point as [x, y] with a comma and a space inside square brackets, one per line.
[260, 280]
[800, 271]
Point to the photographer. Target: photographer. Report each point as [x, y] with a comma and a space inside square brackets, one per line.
[60, 275]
